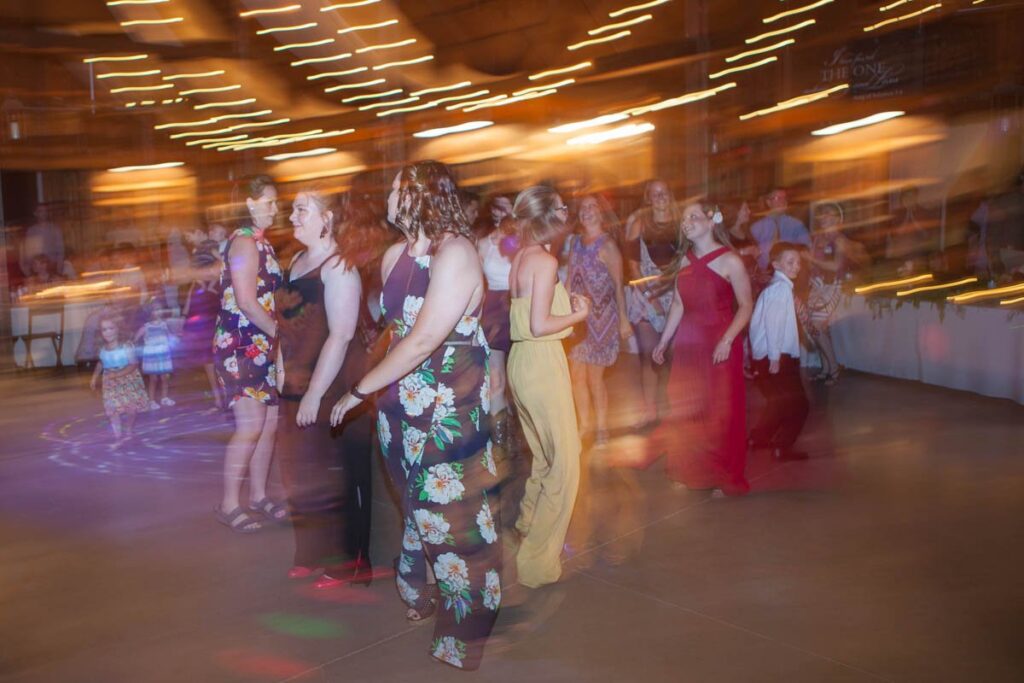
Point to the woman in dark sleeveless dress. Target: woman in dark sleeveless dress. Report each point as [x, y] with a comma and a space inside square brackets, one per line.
[706, 440]
[432, 421]
[652, 243]
[325, 473]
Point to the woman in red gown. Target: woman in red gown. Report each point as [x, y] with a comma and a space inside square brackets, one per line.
[705, 436]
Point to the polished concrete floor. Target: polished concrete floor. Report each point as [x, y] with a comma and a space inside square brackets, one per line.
[895, 553]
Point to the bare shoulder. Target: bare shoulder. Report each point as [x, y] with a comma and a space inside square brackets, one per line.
[457, 247]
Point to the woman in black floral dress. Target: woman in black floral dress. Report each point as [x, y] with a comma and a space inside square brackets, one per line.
[433, 416]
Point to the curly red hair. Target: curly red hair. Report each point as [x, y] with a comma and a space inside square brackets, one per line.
[429, 202]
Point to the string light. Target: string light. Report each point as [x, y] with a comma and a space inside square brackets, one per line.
[779, 32]
[466, 96]
[912, 15]
[451, 130]
[296, 46]
[743, 67]
[886, 8]
[559, 72]
[546, 86]
[232, 103]
[283, 29]
[205, 141]
[760, 50]
[223, 88]
[353, 86]
[442, 88]
[859, 123]
[141, 88]
[622, 24]
[405, 110]
[115, 3]
[589, 123]
[348, 5]
[319, 151]
[269, 10]
[291, 138]
[796, 10]
[1004, 302]
[215, 119]
[932, 288]
[149, 167]
[511, 100]
[152, 22]
[683, 99]
[201, 74]
[626, 131]
[334, 74]
[985, 294]
[367, 27]
[126, 58]
[230, 129]
[385, 46]
[471, 103]
[407, 62]
[595, 41]
[795, 102]
[320, 60]
[636, 8]
[893, 284]
[129, 74]
[372, 96]
[378, 105]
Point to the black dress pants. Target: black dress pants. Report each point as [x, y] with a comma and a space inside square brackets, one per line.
[786, 409]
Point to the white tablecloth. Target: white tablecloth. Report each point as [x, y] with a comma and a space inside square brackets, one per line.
[43, 355]
[973, 348]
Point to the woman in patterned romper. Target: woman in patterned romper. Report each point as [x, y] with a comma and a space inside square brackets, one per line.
[433, 416]
[595, 271]
[244, 359]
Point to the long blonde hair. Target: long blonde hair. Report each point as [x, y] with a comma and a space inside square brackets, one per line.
[536, 214]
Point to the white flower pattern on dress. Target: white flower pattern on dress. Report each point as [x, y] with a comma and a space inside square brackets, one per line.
[491, 592]
[411, 539]
[485, 394]
[415, 394]
[231, 365]
[453, 580]
[487, 459]
[413, 441]
[485, 523]
[409, 594]
[383, 432]
[433, 527]
[441, 483]
[451, 650]
[466, 326]
[411, 309]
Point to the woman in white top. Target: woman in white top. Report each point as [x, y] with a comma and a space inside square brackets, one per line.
[493, 250]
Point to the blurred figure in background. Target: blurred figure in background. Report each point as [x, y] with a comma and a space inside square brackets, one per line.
[776, 226]
[245, 357]
[595, 272]
[432, 420]
[318, 306]
[124, 394]
[706, 440]
[202, 304]
[44, 237]
[1006, 227]
[157, 364]
[41, 274]
[912, 235]
[652, 243]
[541, 316]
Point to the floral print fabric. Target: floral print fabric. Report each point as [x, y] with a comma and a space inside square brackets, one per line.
[435, 438]
[243, 353]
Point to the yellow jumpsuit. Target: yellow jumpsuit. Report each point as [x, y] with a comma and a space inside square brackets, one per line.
[538, 375]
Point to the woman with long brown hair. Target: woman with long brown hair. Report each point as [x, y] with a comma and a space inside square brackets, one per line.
[432, 416]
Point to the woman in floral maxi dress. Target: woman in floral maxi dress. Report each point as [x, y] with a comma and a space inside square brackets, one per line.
[433, 416]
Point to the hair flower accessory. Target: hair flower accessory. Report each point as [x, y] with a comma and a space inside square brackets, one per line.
[716, 216]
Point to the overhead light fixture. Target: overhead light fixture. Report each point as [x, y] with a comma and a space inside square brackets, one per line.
[589, 123]
[269, 10]
[152, 22]
[912, 15]
[546, 86]
[125, 58]
[859, 123]
[688, 98]
[407, 62]
[442, 88]
[231, 103]
[285, 29]
[115, 3]
[559, 72]
[378, 105]
[743, 67]
[223, 88]
[348, 5]
[372, 96]
[636, 8]
[779, 32]
[200, 74]
[796, 10]
[320, 60]
[760, 50]
[795, 102]
[336, 74]
[595, 41]
[319, 151]
[894, 5]
[627, 131]
[141, 88]
[511, 100]
[473, 103]
[356, 86]
[406, 110]
[367, 27]
[129, 74]
[622, 24]
[230, 129]
[385, 46]
[465, 96]
[451, 130]
[298, 46]
[205, 141]
[148, 167]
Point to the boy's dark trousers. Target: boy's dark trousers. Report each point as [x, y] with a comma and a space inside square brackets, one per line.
[786, 404]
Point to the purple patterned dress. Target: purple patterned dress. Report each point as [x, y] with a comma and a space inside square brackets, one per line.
[589, 276]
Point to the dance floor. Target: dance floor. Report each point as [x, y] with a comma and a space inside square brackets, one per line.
[892, 554]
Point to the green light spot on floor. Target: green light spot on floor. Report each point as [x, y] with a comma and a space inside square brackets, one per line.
[304, 627]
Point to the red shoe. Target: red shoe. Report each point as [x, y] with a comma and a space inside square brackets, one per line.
[358, 572]
[299, 572]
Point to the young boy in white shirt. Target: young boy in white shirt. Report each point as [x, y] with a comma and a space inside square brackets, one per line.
[775, 349]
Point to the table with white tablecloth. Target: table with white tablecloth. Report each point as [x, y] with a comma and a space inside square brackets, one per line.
[972, 348]
[48, 319]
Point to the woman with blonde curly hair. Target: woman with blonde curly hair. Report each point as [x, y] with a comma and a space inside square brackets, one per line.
[435, 435]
